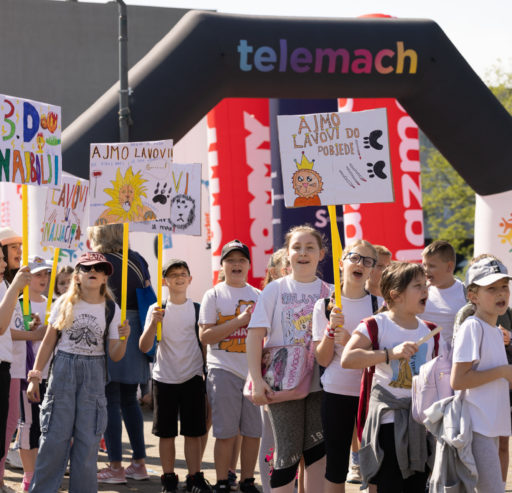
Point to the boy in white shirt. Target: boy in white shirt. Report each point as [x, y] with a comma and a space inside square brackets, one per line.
[225, 313]
[446, 294]
[178, 383]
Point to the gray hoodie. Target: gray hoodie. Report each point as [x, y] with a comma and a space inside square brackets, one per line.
[454, 467]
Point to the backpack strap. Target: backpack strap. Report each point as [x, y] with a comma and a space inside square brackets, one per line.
[110, 310]
[326, 308]
[367, 378]
[375, 304]
[432, 326]
[197, 307]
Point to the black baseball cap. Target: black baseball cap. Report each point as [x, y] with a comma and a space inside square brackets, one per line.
[174, 262]
[233, 246]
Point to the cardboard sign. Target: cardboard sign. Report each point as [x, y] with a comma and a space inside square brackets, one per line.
[183, 199]
[130, 182]
[335, 158]
[30, 148]
[66, 206]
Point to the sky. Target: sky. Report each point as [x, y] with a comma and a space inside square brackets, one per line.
[481, 31]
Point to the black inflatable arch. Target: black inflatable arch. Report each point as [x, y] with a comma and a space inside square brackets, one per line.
[209, 56]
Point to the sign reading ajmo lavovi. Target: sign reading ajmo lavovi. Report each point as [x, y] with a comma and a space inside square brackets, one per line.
[335, 158]
[30, 147]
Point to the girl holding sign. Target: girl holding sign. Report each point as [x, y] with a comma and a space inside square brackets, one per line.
[81, 323]
[340, 396]
[383, 460]
[283, 316]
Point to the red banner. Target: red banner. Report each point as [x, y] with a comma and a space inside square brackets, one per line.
[239, 180]
[397, 225]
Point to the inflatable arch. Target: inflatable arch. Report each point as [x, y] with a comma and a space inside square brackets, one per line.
[209, 56]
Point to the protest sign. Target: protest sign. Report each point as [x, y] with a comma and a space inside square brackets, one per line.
[130, 181]
[30, 147]
[335, 158]
[183, 195]
[63, 223]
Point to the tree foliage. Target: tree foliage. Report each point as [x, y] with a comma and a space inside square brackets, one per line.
[448, 202]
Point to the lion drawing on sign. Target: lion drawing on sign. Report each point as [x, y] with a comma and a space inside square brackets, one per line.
[126, 204]
[235, 342]
[183, 211]
[307, 183]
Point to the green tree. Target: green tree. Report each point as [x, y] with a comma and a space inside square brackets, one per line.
[448, 202]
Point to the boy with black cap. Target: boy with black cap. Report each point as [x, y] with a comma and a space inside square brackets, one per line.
[225, 313]
[178, 383]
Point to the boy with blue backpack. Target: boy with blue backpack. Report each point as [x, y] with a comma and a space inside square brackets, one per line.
[178, 378]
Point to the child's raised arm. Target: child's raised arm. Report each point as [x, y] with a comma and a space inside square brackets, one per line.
[8, 302]
[324, 348]
[358, 353]
[147, 338]
[214, 333]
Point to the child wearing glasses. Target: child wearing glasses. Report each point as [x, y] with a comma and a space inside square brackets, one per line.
[75, 405]
[340, 395]
[178, 380]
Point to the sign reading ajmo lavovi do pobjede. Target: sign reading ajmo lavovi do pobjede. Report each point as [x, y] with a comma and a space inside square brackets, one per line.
[30, 147]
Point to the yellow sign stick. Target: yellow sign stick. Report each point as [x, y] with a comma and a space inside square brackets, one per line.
[24, 213]
[159, 285]
[53, 275]
[124, 272]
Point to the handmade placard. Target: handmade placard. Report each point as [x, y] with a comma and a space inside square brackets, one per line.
[66, 206]
[130, 182]
[335, 158]
[183, 197]
[30, 147]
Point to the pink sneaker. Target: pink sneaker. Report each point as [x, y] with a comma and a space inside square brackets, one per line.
[112, 476]
[137, 472]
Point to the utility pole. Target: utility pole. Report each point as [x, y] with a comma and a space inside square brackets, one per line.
[124, 107]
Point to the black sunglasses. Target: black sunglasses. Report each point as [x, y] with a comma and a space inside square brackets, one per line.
[97, 267]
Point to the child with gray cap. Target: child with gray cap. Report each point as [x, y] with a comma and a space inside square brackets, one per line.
[480, 368]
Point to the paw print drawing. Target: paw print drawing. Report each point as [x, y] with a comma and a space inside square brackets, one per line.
[372, 140]
[377, 169]
[161, 194]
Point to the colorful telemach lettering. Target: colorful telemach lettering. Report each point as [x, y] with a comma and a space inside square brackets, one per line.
[65, 212]
[30, 148]
[182, 197]
[130, 181]
[335, 158]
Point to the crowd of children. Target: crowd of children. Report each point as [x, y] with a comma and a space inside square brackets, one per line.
[227, 363]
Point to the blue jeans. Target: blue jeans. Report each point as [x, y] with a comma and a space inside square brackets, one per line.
[74, 407]
[122, 400]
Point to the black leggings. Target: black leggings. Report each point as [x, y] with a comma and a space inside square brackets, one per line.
[338, 418]
[389, 478]
[5, 384]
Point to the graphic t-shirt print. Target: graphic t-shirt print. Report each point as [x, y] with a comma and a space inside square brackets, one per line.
[235, 342]
[86, 333]
[297, 317]
[404, 370]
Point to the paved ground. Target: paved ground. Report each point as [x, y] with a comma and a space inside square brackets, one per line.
[13, 477]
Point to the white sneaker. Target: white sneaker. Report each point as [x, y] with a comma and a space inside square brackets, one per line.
[13, 459]
[354, 475]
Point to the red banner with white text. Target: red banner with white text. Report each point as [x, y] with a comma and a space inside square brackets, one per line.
[397, 225]
[239, 180]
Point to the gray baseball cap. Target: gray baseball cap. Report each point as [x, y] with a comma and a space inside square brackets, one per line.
[486, 271]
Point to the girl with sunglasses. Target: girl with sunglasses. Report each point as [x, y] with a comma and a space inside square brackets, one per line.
[340, 395]
[74, 405]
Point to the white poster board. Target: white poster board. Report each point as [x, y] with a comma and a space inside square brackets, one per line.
[130, 182]
[184, 198]
[30, 147]
[63, 223]
[335, 158]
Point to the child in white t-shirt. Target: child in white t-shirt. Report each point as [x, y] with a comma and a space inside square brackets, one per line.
[481, 369]
[394, 466]
[225, 313]
[446, 294]
[340, 396]
[178, 380]
[75, 405]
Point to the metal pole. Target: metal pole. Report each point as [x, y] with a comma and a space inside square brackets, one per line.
[124, 107]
